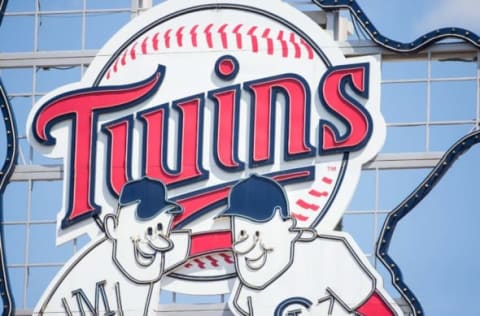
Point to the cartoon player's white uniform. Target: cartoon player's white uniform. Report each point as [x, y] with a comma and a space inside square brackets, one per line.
[119, 273]
[285, 270]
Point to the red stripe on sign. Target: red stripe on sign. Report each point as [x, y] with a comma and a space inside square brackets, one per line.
[306, 205]
[210, 242]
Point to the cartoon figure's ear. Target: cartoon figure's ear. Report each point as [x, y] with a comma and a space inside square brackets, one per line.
[290, 223]
[308, 234]
[110, 222]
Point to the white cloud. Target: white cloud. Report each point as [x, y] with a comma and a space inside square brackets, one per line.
[450, 13]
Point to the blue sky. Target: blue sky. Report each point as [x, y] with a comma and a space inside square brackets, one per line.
[406, 20]
[436, 245]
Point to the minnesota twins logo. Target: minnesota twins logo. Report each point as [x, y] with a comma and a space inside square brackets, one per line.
[212, 148]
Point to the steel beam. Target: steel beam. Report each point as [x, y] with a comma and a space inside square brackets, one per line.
[404, 161]
[382, 161]
[442, 51]
[47, 59]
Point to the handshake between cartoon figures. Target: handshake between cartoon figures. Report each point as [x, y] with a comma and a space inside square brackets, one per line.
[120, 273]
[285, 270]
[281, 269]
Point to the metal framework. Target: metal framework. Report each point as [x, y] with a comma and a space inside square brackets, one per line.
[33, 175]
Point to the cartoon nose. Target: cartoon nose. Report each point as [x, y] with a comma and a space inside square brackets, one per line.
[160, 242]
[156, 239]
[245, 243]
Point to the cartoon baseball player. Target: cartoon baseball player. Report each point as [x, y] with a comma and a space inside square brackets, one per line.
[119, 273]
[286, 270]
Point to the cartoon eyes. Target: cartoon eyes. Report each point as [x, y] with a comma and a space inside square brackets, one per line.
[243, 233]
[150, 232]
[244, 244]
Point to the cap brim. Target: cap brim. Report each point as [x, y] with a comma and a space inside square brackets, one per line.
[173, 208]
[227, 213]
[236, 213]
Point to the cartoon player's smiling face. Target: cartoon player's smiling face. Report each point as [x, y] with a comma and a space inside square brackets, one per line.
[140, 231]
[263, 235]
[262, 250]
[151, 238]
[146, 239]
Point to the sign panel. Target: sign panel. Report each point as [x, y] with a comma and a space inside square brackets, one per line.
[211, 148]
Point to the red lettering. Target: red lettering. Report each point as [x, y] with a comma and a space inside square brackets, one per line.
[340, 89]
[336, 99]
[189, 150]
[226, 128]
[81, 107]
[118, 153]
[297, 126]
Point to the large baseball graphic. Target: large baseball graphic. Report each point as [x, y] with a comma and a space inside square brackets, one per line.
[241, 91]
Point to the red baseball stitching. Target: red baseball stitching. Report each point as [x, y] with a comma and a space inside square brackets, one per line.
[312, 194]
[316, 193]
[213, 260]
[200, 263]
[300, 217]
[227, 258]
[327, 180]
[305, 205]
[291, 45]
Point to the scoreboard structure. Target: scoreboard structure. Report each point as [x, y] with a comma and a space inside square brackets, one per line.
[212, 122]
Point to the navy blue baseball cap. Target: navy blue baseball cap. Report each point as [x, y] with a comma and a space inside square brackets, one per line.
[257, 198]
[150, 195]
